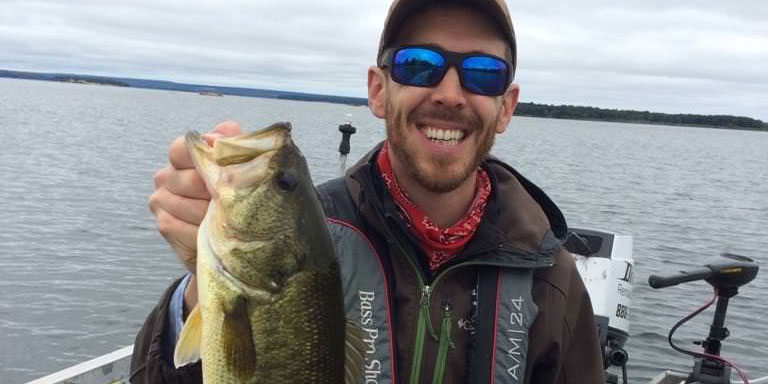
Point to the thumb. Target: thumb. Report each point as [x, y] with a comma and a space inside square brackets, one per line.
[225, 129]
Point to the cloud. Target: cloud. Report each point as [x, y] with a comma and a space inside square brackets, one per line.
[683, 56]
[679, 57]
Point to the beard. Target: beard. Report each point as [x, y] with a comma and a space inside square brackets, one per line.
[438, 174]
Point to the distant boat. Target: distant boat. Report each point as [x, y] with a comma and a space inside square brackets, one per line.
[210, 93]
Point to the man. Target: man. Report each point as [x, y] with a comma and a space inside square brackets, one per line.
[451, 261]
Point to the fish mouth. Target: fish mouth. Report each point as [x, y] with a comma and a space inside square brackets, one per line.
[246, 154]
[244, 148]
[241, 148]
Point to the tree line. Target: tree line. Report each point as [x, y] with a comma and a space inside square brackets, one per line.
[645, 117]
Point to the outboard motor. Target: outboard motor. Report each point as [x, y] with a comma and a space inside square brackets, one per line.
[604, 260]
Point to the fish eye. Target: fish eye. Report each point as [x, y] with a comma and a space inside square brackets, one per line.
[286, 180]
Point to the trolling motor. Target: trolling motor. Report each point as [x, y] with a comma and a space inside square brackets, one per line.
[725, 275]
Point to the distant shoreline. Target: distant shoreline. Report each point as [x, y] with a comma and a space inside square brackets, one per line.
[528, 109]
[757, 129]
[77, 80]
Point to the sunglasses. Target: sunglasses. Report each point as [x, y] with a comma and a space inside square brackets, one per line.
[422, 66]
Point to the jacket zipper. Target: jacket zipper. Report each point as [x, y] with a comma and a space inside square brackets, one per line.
[424, 321]
[445, 341]
[423, 324]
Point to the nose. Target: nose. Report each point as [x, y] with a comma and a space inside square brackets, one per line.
[449, 92]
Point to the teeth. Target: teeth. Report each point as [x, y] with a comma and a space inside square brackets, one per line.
[450, 136]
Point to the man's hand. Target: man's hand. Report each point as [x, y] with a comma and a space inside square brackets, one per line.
[180, 201]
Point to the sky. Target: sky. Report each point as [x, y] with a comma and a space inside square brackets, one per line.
[682, 56]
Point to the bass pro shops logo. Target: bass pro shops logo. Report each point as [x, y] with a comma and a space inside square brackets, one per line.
[371, 332]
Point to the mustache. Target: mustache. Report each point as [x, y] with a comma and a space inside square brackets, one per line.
[446, 114]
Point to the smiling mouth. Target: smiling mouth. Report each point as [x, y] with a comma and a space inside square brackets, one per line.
[443, 136]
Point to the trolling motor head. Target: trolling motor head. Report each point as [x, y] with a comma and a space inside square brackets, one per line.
[732, 271]
[726, 274]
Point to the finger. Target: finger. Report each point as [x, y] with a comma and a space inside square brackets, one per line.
[187, 183]
[179, 156]
[190, 211]
[224, 129]
[227, 128]
[181, 236]
[161, 176]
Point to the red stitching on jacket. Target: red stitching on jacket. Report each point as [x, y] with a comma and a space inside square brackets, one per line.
[392, 356]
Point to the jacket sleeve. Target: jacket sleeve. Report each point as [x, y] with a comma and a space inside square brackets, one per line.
[566, 347]
[151, 360]
[582, 358]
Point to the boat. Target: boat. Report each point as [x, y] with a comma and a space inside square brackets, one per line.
[112, 368]
[605, 263]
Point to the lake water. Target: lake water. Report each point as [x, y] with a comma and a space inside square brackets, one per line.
[82, 264]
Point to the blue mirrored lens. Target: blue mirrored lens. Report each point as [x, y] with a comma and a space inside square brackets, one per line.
[485, 75]
[418, 66]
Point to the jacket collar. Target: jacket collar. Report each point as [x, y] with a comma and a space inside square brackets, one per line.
[520, 218]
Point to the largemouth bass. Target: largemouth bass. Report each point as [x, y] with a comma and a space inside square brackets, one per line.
[270, 304]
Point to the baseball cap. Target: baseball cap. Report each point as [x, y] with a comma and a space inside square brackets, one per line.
[400, 10]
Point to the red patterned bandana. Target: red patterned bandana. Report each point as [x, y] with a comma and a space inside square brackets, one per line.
[439, 244]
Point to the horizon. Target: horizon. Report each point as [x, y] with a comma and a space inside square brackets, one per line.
[110, 77]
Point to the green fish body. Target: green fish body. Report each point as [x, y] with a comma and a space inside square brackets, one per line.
[270, 306]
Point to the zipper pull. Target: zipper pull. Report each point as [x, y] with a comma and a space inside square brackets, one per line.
[446, 342]
[446, 323]
[426, 296]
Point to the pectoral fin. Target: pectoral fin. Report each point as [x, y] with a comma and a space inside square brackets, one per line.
[354, 354]
[237, 338]
[188, 346]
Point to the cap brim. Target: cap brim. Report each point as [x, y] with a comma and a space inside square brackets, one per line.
[400, 10]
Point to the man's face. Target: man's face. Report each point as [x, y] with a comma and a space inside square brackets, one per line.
[439, 135]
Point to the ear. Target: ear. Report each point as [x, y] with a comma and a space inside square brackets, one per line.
[508, 105]
[377, 98]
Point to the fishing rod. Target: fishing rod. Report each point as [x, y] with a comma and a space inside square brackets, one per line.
[725, 274]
